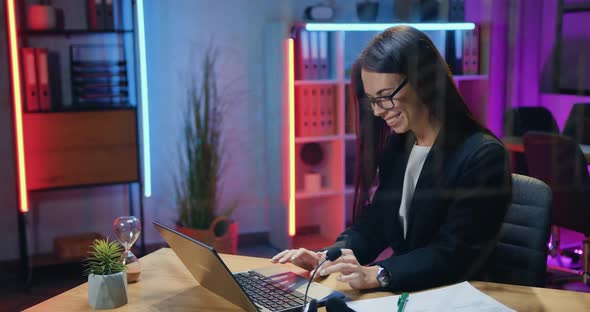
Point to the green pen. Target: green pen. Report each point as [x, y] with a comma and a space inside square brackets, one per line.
[402, 301]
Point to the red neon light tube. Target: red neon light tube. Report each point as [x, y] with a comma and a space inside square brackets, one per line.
[17, 100]
[291, 121]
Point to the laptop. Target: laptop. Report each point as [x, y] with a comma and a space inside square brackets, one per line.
[270, 289]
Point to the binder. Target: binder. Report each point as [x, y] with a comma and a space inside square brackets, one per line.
[331, 110]
[322, 114]
[91, 15]
[467, 52]
[43, 79]
[299, 112]
[314, 105]
[314, 55]
[117, 14]
[302, 61]
[95, 14]
[324, 72]
[99, 75]
[305, 102]
[31, 88]
[453, 49]
[484, 48]
[109, 14]
[475, 51]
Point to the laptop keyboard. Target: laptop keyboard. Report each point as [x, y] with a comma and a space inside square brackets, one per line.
[262, 291]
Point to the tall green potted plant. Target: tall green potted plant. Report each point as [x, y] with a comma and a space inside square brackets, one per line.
[198, 182]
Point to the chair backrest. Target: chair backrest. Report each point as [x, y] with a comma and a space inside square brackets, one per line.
[577, 125]
[520, 255]
[523, 119]
[558, 161]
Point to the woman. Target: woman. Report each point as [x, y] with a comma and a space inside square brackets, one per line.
[443, 178]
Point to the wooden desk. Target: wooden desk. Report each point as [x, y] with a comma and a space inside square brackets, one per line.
[166, 285]
[514, 144]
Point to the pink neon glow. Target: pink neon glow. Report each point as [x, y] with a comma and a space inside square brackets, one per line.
[291, 119]
[17, 100]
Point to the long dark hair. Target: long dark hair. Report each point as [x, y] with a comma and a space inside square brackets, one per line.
[407, 51]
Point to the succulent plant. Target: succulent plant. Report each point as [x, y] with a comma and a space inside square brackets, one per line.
[104, 258]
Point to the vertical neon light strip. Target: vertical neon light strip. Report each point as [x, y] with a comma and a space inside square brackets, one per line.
[145, 111]
[18, 110]
[291, 121]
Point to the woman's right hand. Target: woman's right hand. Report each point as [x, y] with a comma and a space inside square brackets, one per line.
[301, 257]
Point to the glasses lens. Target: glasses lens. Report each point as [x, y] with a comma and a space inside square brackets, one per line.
[384, 103]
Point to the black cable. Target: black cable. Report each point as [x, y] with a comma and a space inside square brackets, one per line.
[332, 254]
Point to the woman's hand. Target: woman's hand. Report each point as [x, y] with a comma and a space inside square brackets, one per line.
[301, 257]
[356, 275]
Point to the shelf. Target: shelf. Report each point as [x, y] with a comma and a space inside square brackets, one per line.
[379, 27]
[74, 32]
[322, 193]
[80, 186]
[316, 82]
[349, 190]
[350, 136]
[71, 109]
[317, 139]
[456, 78]
[470, 77]
[576, 7]
[49, 259]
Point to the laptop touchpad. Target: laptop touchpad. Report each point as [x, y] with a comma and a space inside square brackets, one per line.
[286, 279]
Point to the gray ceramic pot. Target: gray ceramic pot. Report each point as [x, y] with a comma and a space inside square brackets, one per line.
[107, 291]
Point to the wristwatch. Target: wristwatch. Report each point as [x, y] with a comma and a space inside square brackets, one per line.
[383, 276]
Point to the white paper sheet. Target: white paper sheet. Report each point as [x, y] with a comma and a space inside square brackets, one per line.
[460, 297]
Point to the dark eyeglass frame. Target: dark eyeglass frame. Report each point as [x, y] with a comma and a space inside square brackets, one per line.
[376, 100]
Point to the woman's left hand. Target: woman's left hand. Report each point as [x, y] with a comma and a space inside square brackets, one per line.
[356, 275]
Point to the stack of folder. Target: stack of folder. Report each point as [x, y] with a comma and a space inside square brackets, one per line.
[104, 14]
[315, 109]
[36, 79]
[311, 54]
[471, 51]
[99, 76]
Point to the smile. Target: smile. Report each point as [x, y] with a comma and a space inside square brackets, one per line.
[394, 119]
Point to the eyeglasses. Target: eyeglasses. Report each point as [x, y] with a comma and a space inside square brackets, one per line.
[385, 102]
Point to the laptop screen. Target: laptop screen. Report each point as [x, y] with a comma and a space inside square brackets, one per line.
[206, 266]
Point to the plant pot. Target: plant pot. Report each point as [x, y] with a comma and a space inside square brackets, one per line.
[107, 291]
[367, 11]
[222, 235]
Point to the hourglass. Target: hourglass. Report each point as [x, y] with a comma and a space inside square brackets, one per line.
[127, 230]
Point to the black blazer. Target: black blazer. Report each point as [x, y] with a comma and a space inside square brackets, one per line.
[459, 202]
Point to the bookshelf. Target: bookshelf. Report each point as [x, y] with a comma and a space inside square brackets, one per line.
[62, 142]
[312, 217]
[73, 32]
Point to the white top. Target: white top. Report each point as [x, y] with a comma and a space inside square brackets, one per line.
[413, 169]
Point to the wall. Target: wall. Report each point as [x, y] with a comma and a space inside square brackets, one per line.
[177, 34]
[175, 45]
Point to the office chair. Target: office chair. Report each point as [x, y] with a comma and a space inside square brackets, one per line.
[519, 121]
[520, 255]
[577, 125]
[558, 161]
